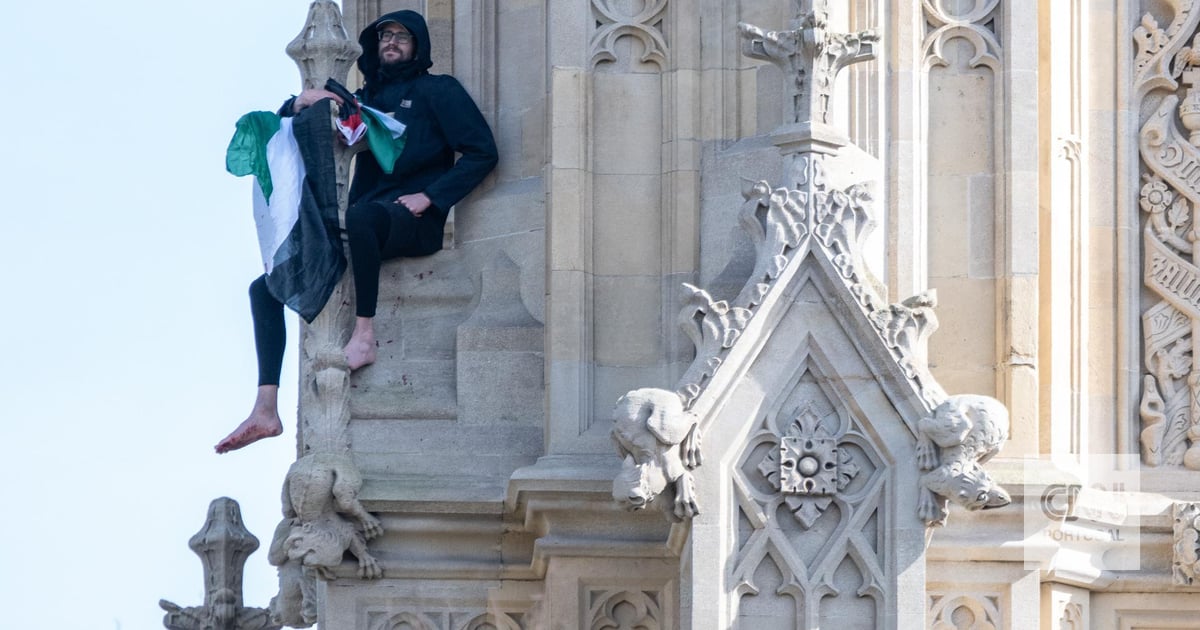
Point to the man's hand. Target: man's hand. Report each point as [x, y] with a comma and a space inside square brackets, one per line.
[308, 97]
[417, 203]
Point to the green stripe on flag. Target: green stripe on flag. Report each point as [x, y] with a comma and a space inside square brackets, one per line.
[247, 152]
[385, 148]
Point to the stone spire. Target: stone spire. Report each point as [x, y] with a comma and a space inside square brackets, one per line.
[223, 544]
[323, 50]
[322, 516]
[810, 57]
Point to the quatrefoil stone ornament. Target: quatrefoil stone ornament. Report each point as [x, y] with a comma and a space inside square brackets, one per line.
[808, 465]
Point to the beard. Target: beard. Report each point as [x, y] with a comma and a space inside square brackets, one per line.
[394, 61]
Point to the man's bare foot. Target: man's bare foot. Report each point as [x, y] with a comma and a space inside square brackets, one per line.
[360, 350]
[359, 353]
[251, 430]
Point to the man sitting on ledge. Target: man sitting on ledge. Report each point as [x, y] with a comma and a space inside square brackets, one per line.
[390, 215]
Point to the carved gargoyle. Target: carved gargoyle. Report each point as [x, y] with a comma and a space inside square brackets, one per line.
[660, 444]
[322, 520]
[964, 432]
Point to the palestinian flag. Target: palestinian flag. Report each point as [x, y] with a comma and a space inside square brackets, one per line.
[295, 203]
[295, 199]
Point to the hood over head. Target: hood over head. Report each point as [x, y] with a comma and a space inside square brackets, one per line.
[369, 64]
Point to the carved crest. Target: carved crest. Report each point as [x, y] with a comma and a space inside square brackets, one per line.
[1168, 79]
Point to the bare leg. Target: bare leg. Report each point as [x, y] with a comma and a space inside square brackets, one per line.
[360, 350]
[263, 422]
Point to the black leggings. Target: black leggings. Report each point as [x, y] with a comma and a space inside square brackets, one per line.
[270, 336]
[377, 231]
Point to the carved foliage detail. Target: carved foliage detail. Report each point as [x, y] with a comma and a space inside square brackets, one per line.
[977, 26]
[613, 22]
[810, 56]
[783, 224]
[1186, 561]
[624, 610]
[905, 328]
[1168, 79]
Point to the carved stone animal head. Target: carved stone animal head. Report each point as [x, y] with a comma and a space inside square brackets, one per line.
[974, 489]
[317, 546]
[648, 427]
[638, 484]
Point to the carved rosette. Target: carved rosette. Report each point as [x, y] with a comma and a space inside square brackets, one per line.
[808, 468]
[808, 487]
[1186, 559]
[1167, 79]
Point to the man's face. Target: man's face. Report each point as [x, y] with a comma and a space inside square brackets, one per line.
[395, 44]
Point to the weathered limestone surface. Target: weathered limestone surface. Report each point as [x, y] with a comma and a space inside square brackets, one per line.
[1002, 203]
[223, 544]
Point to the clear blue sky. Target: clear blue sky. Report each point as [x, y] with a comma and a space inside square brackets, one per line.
[128, 350]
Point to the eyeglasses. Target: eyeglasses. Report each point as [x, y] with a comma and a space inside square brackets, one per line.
[399, 38]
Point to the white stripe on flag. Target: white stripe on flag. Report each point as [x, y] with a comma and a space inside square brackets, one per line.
[393, 125]
[274, 220]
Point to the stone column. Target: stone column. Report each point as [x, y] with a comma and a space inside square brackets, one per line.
[323, 51]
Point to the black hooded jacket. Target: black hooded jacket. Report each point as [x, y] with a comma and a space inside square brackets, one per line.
[440, 120]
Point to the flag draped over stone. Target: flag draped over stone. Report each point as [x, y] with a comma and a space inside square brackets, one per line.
[295, 199]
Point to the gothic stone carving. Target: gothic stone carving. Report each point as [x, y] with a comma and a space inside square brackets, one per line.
[322, 517]
[976, 25]
[963, 432]
[322, 520]
[613, 22]
[810, 56]
[808, 468]
[804, 550]
[223, 544]
[1167, 73]
[1186, 563]
[617, 610]
[975, 611]
[713, 326]
[905, 328]
[442, 619]
[660, 444]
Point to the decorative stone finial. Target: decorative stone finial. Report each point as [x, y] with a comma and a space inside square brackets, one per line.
[223, 545]
[322, 516]
[810, 58]
[323, 50]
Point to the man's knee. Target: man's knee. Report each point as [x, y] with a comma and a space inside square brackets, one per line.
[361, 218]
[258, 288]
